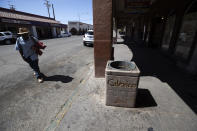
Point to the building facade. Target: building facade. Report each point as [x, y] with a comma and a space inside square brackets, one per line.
[39, 26]
[76, 27]
[168, 25]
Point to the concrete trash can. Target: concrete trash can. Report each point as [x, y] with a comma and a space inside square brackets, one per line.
[122, 80]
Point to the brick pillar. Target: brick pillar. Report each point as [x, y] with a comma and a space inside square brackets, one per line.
[102, 19]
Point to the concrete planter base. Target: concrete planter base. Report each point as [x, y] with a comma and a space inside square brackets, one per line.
[121, 83]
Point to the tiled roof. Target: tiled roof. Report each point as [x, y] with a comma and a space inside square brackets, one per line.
[25, 16]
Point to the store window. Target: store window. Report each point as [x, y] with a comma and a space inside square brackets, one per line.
[187, 33]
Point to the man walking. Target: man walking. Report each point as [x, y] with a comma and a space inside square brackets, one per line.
[25, 45]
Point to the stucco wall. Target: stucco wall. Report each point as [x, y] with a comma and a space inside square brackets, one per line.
[78, 26]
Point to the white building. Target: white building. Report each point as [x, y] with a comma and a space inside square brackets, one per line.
[75, 27]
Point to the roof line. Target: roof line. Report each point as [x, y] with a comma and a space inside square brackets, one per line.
[24, 13]
[79, 22]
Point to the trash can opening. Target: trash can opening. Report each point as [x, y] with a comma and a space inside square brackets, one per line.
[123, 65]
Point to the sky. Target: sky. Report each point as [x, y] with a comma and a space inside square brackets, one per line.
[65, 10]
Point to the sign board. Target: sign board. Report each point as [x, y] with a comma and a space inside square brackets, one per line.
[137, 3]
[15, 21]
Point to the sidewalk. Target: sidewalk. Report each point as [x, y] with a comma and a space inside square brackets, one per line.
[159, 107]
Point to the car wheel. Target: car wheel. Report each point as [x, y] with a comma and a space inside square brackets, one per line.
[84, 43]
[7, 42]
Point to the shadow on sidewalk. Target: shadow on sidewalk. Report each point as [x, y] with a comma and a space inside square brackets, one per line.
[144, 99]
[62, 78]
[152, 62]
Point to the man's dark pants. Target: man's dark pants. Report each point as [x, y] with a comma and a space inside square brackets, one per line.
[34, 65]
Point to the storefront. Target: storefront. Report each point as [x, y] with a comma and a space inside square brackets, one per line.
[13, 25]
[187, 35]
[159, 23]
[39, 26]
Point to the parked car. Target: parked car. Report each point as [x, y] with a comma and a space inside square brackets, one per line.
[7, 37]
[65, 34]
[88, 38]
[69, 34]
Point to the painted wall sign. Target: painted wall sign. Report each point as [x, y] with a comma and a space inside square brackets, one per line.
[121, 83]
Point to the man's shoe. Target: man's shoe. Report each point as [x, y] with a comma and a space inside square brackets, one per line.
[40, 80]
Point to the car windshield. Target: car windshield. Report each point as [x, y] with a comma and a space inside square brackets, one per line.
[7, 33]
[90, 33]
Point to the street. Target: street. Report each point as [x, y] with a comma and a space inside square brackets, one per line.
[108, 65]
[25, 104]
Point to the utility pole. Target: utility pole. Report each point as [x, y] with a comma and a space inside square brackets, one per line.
[53, 12]
[48, 6]
[11, 6]
[79, 21]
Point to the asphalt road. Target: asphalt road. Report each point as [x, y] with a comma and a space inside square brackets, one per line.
[25, 104]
